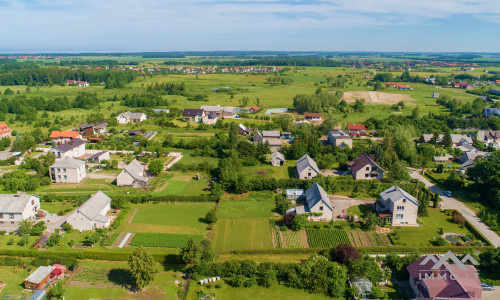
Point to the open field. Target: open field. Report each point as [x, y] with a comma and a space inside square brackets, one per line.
[250, 205]
[247, 233]
[375, 97]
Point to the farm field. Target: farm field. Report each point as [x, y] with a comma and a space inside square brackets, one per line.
[166, 240]
[250, 205]
[176, 218]
[325, 238]
[244, 233]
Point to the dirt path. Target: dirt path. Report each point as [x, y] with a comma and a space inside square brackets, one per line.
[132, 216]
[161, 188]
[118, 240]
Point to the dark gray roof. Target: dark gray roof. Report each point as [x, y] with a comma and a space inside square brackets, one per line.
[491, 111]
[304, 162]
[316, 194]
[136, 170]
[70, 145]
[192, 112]
[99, 124]
[96, 155]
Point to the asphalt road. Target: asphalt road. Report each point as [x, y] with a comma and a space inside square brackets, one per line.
[452, 203]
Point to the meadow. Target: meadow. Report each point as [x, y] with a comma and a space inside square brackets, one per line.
[245, 233]
[250, 205]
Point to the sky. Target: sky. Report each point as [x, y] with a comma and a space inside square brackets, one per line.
[37, 26]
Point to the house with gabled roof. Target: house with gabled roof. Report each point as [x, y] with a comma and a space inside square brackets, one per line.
[339, 138]
[5, 131]
[273, 137]
[134, 175]
[17, 207]
[131, 117]
[306, 168]
[243, 130]
[313, 117]
[356, 129]
[68, 170]
[193, 115]
[92, 213]
[99, 157]
[397, 207]
[365, 167]
[95, 129]
[277, 159]
[491, 112]
[72, 149]
[317, 201]
[61, 137]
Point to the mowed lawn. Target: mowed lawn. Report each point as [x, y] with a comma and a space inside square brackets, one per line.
[14, 278]
[422, 235]
[253, 205]
[245, 233]
[181, 218]
[277, 292]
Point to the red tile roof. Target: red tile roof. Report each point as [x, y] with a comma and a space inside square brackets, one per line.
[64, 134]
[356, 127]
[4, 127]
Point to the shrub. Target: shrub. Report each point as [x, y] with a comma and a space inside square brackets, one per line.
[10, 242]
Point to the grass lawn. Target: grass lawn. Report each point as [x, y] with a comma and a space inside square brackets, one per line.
[251, 205]
[94, 281]
[422, 235]
[181, 218]
[359, 210]
[277, 292]
[14, 278]
[231, 234]
[56, 206]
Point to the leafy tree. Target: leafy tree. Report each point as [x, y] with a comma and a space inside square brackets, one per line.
[25, 227]
[288, 218]
[436, 200]
[446, 142]
[299, 222]
[155, 167]
[281, 204]
[207, 253]
[91, 238]
[486, 176]
[23, 241]
[398, 172]
[367, 267]
[343, 252]
[377, 293]
[211, 216]
[38, 228]
[372, 220]
[490, 262]
[190, 253]
[57, 291]
[67, 227]
[440, 169]
[54, 239]
[142, 267]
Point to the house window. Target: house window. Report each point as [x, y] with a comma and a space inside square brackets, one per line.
[309, 174]
[400, 208]
[399, 216]
[11, 216]
[321, 208]
[65, 177]
[404, 200]
[368, 168]
[366, 175]
[1, 216]
[59, 176]
[52, 170]
[64, 170]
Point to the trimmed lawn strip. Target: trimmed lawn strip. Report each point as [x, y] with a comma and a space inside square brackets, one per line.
[231, 234]
[163, 239]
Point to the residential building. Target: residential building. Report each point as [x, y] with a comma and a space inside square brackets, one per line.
[397, 207]
[92, 213]
[277, 159]
[68, 170]
[193, 115]
[489, 137]
[95, 129]
[72, 149]
[427, 138]
[131, 117]
[317, 201]
[471, 155]
[216, 109]
[17, 207]
[491, 112]
[99, 157]
[339, 138]
[456, 139]
[77, 83]
[365, 167]
[134, 175]
[273, 137]
[447, 281]
[466, 165]
[253, 108]
[229, 112]
[306, 168]
[356, 129]
[62, 137]
[210, 118]
[444, 158]
[243, 130]
[5, 131]
[313, 117]
[39, 278]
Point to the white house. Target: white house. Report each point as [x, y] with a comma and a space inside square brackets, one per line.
[397, 207]
[91, 214]
[131, 117]
[72, 149]
[133, 175]
[277, 159]
[17, 207]
[99, 157]
[68, 170]
[306, 168]
[339, 139]
[317, 201]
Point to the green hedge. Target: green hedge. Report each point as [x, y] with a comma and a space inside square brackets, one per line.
[87, 254]
[136, 198]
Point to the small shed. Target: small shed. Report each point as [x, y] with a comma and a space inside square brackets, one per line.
[363, 287]
[39, 278]
[294, 193]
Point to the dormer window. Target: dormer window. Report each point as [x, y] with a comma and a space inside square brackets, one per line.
[404, 200]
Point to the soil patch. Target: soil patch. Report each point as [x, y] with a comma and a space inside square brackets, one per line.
[375, 97]
[263, 172]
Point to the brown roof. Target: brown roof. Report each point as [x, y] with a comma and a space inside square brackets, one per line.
[312, 115]
[360, 162]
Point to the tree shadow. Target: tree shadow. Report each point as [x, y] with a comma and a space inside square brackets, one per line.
[121, 277]
[291, 172]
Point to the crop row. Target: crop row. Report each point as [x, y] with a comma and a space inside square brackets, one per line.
[165, 240]
[324, 238]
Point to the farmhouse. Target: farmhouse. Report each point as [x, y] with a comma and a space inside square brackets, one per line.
[17, 207]
[313, 117]
[39, 278]
[77, 83]
[243, 130]
[68, 170]
[339, 139]
[99, 157]
[131, 117]
[72, 149]
[91, 214]
[397, 207]
[193, 115]
[453, 282]
[317, 201]
[210, 118]
[273, 137]
[356, 129]
[364, 167]
[133, 175]
[95, 129]
[491, 112]
[277, 159]
[61, 137]
[489, 137]
[306, 168]
[5, 131]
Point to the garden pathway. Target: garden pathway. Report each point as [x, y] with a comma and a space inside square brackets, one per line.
[452, 203]
[125, 239]
[341, 204]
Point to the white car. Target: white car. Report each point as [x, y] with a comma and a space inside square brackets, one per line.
[448, 193]
[487, 287]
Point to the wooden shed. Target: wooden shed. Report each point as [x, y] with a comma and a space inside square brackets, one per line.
[39, 278]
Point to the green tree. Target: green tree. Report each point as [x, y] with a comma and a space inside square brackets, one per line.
[142, 267]
[25, 227]
[211, 216]
[436, 200]
[38, 228]
[57, 291]
[91, 238]
[398, 171]
[155, 167]
[281, 204]
[446, 142]
[377, 293]
[486, 177]
[299, 222]
[54, 239]
[190, 253]
[372, 220]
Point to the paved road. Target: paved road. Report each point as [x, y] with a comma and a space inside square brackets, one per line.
[452, 203]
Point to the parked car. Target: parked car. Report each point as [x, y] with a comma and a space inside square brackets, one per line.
[448, 193]
[486, 287]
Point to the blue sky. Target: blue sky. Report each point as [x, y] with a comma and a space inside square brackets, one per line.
[293, 25]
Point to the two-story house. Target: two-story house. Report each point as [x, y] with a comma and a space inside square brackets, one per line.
[193, 115]
[317, 201]
[72, 149]
[17, 207]
[365, 167]
[91, 214]
[397, 207]
[339, 138]
[68, 170]
[96, 129]
[131, 117]
[306, 168]
[62, 137]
